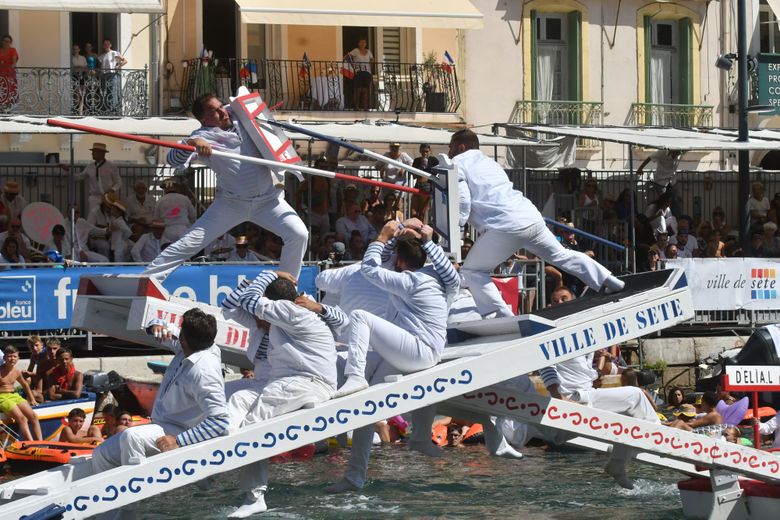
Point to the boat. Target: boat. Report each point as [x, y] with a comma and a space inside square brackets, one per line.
[761, 499]
[45, 453]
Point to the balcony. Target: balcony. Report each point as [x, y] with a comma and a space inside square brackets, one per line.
[323, 86]
[558, 112]
[55, 91]
[675, 116]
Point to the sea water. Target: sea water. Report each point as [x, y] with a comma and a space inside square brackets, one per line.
[467, 483]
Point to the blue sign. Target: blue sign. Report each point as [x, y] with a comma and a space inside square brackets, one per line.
[43, 298]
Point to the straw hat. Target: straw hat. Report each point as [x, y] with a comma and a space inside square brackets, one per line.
[157, 224]
[121, 207]
[101, 147]
[242, 241]
[11, 187]
[688, 410]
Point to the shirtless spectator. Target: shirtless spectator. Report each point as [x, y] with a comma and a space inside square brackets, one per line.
[64, 382]
[72, 432]
[705, 421]
[14, 405]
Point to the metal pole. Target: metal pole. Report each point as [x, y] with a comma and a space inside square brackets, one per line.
[308, 199]
[743, 191]
[72, 202]
[633, 191]
[525, 175]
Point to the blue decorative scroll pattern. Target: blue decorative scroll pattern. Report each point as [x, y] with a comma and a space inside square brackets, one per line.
[342, 416]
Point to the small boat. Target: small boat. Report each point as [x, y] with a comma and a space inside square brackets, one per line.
[46, 452]
[761, 498]
[158, 367]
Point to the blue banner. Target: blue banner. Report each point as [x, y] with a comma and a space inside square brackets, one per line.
[43, 298]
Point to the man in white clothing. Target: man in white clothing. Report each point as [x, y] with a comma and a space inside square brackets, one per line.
[176, 210]
[415, 338]
[221, 248]
[573, 380]
[242, 253]
[770, 427]
[12, 199]
[99, 219]
[190, 406]
[301, 362]
[354, 221]
[140, 208]
[507, 222]
[245, 192]
[101, 174]
[662, 180]
[149, 245]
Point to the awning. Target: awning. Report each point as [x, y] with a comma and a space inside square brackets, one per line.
[442, 14]
[661, 138]
[93, 6]
[355, 132]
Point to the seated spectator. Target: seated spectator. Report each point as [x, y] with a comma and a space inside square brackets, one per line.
[10, 254]
[719, 222]
[99, 220]
[675, 398]
[149, 244]
[37, 354]
[64, 382]
[72, 431]
[377, 217]
[357, 247]
[770, 244]
[374, 199]
[242, 252]
[45, 367]
[59, 241]
[756, 245]
[683, 414]
[272, 248]
[589, 196]
[14, 405]
[325, 246]
[12, 200]
[15, 230]
[465, 248]
[707, 422]
[176, 210]
[348, 196]
[108, 413]
[686, 244]
[355, 221]
[623, 205]
[392, 206]
[653, 260]
[671, 252]
[140, 209]
[757, 204]
[661, 241]
[221, 248]
[734, 436]
[715, 247]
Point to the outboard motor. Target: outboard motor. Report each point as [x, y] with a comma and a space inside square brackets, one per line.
[100, 382]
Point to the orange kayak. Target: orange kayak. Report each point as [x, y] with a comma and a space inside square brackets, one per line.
[46, 452]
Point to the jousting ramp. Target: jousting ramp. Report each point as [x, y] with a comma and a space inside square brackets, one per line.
[496, 351]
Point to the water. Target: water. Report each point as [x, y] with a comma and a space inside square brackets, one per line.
[467, 483]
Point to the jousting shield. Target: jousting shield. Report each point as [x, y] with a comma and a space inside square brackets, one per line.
[252, 113]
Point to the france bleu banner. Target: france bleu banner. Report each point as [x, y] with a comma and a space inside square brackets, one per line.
[43, 298]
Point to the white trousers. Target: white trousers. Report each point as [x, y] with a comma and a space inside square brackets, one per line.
[259, 403]
[362, 438]
[402, 349]
[493, 247]
[224, 214]
[625, 400]
[137, 442]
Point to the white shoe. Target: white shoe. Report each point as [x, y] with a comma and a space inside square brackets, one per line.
[250, 507]
[354, 383]
[508, 452]
[342, 486]
[613, 285]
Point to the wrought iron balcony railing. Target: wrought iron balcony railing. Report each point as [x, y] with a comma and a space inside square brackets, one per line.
[60, 91]
[676, 116]
[558, 112]
[327, 85]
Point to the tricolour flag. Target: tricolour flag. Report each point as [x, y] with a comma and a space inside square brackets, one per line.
[347, 67]
[448, 64]
[304, 68]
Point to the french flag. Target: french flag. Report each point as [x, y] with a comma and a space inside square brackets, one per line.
[448, 64]
[304, 68]
[347, 67]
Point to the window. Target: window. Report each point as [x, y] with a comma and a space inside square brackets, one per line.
[663, 35]
[4, 22]
[549, 28]
[94, 28]
[769, 33]
[551, 61]
[668, 62]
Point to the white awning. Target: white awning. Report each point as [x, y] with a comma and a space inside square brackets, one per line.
[92, 6]
[661, 138]
[181, 126]
[442, 14]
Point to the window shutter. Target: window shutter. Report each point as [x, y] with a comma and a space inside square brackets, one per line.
[574, 46]
[534, 36]
[648, 53]
[686, 62]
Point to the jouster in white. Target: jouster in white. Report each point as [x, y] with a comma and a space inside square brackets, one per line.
[245, 193]
[507, 222]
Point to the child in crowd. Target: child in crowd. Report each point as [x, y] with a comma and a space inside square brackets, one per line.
[44, 368]
[72, 432]
[108, 413]
[37, 354]
[14, 405]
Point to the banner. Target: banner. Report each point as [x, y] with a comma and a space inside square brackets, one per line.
[731, 283]
[43, 298]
